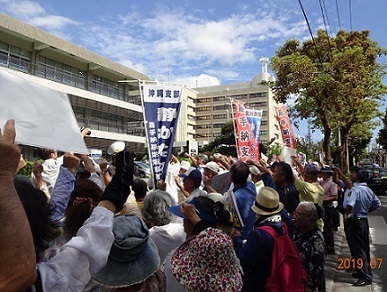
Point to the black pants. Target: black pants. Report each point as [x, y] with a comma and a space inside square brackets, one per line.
[358, 231]
[329, 226]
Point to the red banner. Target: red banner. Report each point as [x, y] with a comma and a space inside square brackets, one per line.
[247, 145]
[286, 127]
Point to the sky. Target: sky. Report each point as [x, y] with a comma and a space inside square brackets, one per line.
[197, 42]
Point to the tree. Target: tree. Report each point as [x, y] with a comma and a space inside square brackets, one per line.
[382, 135]
[337, 81]
[225, 143]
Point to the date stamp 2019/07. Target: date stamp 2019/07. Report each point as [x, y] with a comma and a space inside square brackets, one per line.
[351, 263]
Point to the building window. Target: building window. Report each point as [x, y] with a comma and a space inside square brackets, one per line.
[203, 109]
[15, 57]
[257, 94]
[222, 116]
[239, 96]
[219, 98]
[57, 71]
[202, 100]
[200, 118]
[220, 107]
[220, 125]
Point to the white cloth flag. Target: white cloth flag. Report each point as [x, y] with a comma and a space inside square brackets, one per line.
[43, 117]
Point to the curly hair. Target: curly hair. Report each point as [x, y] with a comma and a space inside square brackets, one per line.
[155, 208]
[39, 213]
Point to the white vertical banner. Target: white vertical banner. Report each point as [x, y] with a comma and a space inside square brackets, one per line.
[161, 105]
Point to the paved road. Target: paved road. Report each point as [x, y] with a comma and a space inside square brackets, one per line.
[341, 280]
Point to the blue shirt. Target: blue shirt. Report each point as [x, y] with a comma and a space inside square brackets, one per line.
[361, 198]
[245, 197]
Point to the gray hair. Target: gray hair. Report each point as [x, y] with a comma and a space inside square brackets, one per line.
[155, 208]
[311, 210]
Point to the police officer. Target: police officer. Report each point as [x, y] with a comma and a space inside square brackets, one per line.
[358, 202]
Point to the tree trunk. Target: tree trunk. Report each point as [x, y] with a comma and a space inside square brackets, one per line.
[327, 145]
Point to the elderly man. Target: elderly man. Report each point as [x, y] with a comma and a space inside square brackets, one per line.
[192, 180]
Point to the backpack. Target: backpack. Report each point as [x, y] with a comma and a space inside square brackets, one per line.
[287, 272]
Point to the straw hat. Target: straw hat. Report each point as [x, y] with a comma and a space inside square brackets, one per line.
[267, 202]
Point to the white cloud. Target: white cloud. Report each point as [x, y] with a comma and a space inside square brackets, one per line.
[183, 39]
[203, 80]
[23, 9]
[52, 22]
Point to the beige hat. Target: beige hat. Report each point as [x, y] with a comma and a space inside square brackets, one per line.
[267, 202]
[212, 166]
[254, 170]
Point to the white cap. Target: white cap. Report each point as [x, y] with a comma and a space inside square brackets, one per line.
[185, 164]
[212, 166]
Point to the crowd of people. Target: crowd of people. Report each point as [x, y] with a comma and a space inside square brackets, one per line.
[79, 230]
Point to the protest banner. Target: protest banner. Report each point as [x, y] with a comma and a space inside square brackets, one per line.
[247, 126]
[161, 104]
[287, 133]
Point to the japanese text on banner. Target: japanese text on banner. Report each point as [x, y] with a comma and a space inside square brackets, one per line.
[161, 112]
[286, 127]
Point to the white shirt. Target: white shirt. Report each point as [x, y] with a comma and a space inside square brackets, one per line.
[167, 237]
[195, 193]
[82, 257]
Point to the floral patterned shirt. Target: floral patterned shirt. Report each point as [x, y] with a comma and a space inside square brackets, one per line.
[311, 248]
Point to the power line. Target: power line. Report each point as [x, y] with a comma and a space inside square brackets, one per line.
[326, 15]
[310, 31]
[350, 13]
[325, 25]
[338, 14]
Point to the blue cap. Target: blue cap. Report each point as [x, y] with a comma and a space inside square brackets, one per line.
[194, 174]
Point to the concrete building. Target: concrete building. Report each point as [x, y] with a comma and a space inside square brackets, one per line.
[213, 108]
[112, 108]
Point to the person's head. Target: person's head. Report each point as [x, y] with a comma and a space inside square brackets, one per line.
[202, 159]
[39, 213]
[239, 173]
[353, 171]
[84, 198]
[155, 209]
[210, 169]
[363, 176]
[45, 153]
[212, 212]
[282, 173]
[267, 203]
[311, 172]
[140, 188]
[326, 172]
[306, 215]
[133, 256]
[192, 179]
